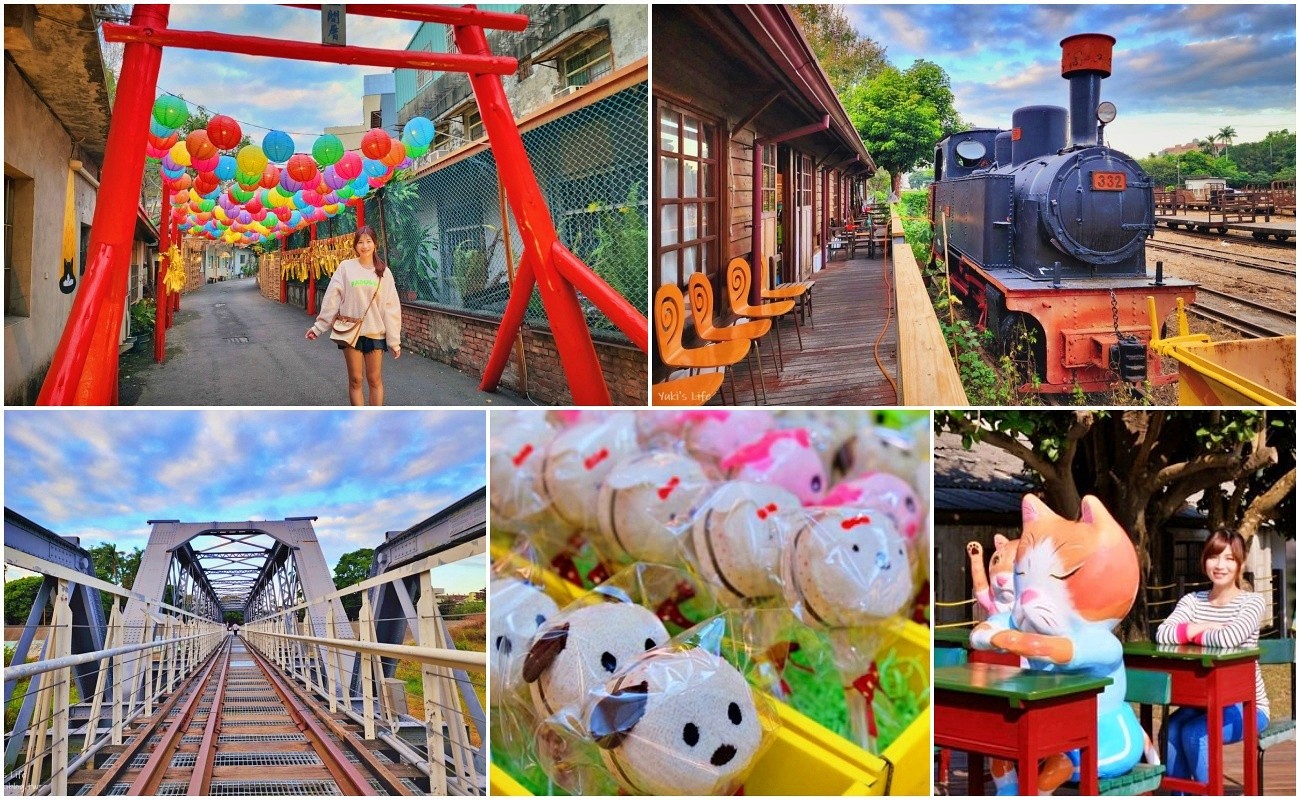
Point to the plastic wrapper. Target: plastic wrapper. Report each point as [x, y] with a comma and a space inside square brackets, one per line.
[572, 656]
[519, 609]
[847, 570]
[577, 461]
[876, 448]
[829, 431]
[785, 458]
[681, 719]
[516, 451]
[646, 503]
[711, 435]
[736, 538]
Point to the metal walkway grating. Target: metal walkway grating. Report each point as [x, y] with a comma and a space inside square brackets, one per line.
[236, 738]
[262, 788]
[267, 760]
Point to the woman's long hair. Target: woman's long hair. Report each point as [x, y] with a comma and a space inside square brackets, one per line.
[366, 230]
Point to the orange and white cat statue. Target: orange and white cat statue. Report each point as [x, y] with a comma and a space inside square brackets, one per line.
[1074, 582]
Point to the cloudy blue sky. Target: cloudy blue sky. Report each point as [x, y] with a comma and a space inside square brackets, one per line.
[1180, 72]
[101, 474]
[301, 97]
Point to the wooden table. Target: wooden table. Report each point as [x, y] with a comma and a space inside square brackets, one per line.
[1209, 678]
[1018, 715]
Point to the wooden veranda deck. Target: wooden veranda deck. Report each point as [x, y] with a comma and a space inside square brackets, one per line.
[852, 305]
[1279, 773]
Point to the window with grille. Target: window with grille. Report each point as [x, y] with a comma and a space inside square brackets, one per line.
[17, 267]
[805, 195]
[376, 119]
[686, 193]
[474, 125]
[587, 63]
[769, 177]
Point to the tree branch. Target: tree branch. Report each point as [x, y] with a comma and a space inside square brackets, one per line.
[1264, 506]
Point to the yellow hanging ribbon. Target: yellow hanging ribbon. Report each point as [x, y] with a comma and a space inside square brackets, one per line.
[174, 280]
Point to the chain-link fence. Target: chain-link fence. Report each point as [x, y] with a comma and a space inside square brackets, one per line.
[451, 241]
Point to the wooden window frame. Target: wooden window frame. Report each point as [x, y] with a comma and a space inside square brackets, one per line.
[708, 198]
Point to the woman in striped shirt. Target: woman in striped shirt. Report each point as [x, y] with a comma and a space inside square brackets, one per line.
[1227, 615]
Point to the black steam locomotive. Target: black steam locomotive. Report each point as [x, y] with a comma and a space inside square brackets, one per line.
[1043, 231]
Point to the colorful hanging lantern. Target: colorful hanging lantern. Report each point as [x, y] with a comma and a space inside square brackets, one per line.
[373, 169]
[332, 179]
[180, 154]
[376, 143]
[278, 146]
[288, 184]
[154, 153]
[224, 132]
[349, 166]
[395, 155]
[199, 146]
[251, 160]
[302, 168]
[208, 164]
[270, 177]
[327, 150]
[170, 112]
[164, 142]
[415, 150]
[419, 130]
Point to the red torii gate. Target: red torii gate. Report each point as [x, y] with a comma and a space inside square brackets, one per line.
[84, 369]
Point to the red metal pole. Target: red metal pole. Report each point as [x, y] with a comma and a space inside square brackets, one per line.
[311, 277]
[577, 353]
[448, 15]
[516, 307]
[631, 322]
[160, 290]
[305, 51]
[84, 367]
[361, 212]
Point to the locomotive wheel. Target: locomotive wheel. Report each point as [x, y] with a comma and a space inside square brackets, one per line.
[1222, 229]
[1259, 236]
[1021, 339]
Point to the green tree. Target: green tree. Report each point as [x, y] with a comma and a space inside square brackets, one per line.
[351, 569]
[847, 56]
[20, 596]
[901, 115]
[1146, 466]
[1226, 134]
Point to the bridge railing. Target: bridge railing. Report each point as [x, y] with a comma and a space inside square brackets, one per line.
[347, 669]
[51, 736]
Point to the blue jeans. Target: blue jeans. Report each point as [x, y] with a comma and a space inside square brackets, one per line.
[1188, 754]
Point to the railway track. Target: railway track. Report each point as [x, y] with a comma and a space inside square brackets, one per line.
[239, 727]
[1276, 323]
[1270, 265]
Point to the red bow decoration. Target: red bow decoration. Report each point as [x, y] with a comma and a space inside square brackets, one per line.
[866, 686]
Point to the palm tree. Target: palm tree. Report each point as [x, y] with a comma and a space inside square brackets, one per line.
[1206, 145]
[1226, 134]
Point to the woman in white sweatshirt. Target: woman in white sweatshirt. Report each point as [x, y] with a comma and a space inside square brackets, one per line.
[362, 288]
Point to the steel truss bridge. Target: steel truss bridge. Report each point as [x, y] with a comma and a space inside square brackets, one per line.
[149, 691]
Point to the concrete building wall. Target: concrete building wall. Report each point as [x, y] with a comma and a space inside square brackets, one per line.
[36, 154]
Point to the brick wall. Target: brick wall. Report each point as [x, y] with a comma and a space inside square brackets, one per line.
[465, 342]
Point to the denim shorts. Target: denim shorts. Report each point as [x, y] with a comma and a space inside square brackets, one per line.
[367, 345]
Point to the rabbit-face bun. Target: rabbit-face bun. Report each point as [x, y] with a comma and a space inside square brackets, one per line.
[846, 567]
[576, 463]
[678, 723]
[646, 503]
[736, 538]
[515, 456]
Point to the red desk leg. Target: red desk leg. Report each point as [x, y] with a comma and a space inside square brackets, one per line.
[1214, 717]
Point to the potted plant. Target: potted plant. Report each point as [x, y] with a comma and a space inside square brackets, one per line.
[470, 273]
[143, 313]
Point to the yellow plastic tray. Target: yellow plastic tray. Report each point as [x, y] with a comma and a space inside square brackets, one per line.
[805, 758]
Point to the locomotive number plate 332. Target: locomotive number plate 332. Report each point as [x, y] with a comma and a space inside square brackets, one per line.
[1109, 181]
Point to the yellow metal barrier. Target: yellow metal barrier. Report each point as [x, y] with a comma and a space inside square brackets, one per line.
[1242, 372]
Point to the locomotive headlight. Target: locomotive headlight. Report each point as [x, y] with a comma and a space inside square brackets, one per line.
[1106, 112]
